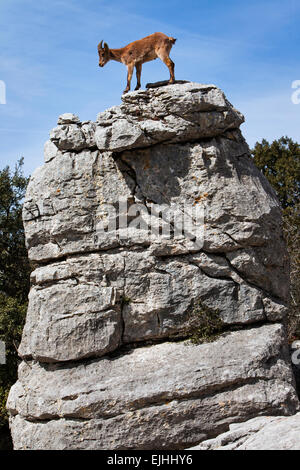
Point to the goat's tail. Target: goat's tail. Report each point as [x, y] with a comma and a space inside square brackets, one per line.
[172, 40]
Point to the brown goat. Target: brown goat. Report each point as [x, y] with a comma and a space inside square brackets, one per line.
[137, 53]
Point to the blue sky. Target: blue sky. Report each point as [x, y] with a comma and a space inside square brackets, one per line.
[49, 63]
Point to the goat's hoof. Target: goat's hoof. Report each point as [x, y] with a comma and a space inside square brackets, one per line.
[172, 81]
[125, 91]
[137, 88]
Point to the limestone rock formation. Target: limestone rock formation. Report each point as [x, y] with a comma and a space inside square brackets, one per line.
[138, 223]
[263, 433]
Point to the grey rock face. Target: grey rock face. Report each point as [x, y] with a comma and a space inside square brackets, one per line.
[153, 397]
[115, 272]
[160, 295]
[177, 113]
[262, 433]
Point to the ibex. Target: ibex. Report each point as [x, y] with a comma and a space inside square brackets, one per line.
[137, 53]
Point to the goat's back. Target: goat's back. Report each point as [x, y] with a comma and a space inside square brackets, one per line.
[148, 48]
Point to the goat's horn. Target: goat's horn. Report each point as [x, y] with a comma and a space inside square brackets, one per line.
[100, 45]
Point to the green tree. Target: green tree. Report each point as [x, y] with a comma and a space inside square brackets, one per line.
[14, 266]
[14, 281]
[280, 163]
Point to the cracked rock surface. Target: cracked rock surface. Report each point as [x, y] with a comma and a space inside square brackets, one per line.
[153, 397]
[107, 364]
[261, 433]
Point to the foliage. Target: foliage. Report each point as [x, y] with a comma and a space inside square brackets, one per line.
[14, 281]
[126, 300]
[14, 266]
[204, 325]
[292, 235]
[12, 317]
[280, 163]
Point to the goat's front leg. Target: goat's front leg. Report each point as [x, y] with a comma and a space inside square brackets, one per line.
[138, 75]
[130, 68]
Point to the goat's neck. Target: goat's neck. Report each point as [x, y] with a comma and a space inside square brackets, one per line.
[116, 54]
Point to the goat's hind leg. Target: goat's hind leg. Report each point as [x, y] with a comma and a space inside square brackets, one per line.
[129, 77]
[170, 64]
[138, 75]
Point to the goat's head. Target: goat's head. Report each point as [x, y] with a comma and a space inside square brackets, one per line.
[103, 54]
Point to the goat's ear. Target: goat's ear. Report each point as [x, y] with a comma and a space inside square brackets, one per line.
[106, 47]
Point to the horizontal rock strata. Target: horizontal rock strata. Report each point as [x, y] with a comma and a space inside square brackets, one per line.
[118, 282]
[261, 433]
[153, 397]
